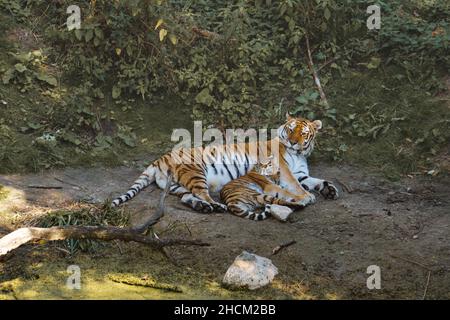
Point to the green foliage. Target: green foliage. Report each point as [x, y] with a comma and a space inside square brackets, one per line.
[28, 68]
[17, 8]
[238, 63]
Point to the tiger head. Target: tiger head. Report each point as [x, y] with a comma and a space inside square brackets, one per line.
[267, 167]
[298, 134]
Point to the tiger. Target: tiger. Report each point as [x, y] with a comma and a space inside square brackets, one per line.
[209, 168]
[255, 190]
[259, 188]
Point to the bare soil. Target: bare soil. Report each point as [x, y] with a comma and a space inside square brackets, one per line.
[402, 227]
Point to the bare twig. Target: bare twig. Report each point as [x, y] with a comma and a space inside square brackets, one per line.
[43, 187]
[118, 246]
[70, 183]
[326, 64]
[426, 286]
[411, 261]
[314, 73]
[282, 246]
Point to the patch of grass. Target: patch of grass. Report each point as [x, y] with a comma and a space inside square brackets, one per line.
[83, 215]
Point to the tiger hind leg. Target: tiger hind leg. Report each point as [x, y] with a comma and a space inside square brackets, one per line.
[248, 212]
[203, 194]
[197, 185]
[190, 200]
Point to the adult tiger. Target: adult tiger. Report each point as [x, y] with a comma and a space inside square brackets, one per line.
[259, 189]
[211, 167]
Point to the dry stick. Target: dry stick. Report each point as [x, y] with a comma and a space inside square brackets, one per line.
[21, 236]
[411, 261]
[43, 187]
[426, 286]
[314, 73]
[70, 183]
[420, 265]
[282, 246]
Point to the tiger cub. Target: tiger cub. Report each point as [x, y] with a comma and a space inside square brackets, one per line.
[257, 190]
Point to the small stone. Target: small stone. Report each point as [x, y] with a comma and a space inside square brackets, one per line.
[251, 271]
[281, 213]
[415, 236]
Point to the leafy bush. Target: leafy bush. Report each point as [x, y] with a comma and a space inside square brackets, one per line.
[238, 63]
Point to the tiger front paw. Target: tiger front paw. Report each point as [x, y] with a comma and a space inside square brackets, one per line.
[306, 199]
[329, 191]
[218, 207]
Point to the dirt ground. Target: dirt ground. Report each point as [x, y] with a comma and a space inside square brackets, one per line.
[402, 227]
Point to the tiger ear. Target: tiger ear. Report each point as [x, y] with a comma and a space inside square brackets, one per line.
[288, 116]
[317, 124]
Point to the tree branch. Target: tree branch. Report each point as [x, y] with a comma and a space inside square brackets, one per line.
[21, 236]
[323, 97]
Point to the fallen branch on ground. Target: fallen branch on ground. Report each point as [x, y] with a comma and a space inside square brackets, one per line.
[21, 236]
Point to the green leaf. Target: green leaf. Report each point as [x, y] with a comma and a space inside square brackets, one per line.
[204, 97]
[98, 33]
[8, 75]
[313, 96]
[20, 67]
[78, 34]
[24, 57]
[127, 138]
[327, 14]
[51, 80]
[89, 35]
[116, 91]
[34, 126]
[374, 63]
[302, 100]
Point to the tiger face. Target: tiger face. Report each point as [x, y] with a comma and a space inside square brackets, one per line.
[267, 167]
[298, 134]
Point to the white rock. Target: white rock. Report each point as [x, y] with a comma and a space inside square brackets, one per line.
[281, 213]
[251, 271]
